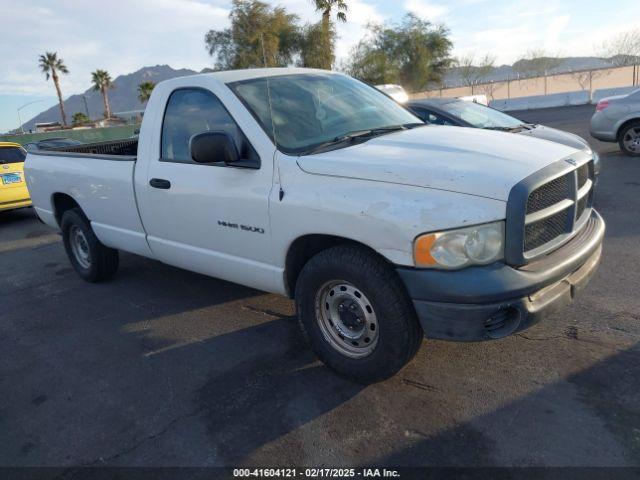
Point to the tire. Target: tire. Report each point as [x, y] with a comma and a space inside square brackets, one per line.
[91, 259]
[357, 277]
[629, 139]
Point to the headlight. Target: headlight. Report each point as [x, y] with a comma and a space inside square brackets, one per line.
[459, 248]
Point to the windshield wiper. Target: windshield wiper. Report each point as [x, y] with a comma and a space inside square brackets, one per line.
[372, 132]
[515, 128]
[359, 135]
[503, 129]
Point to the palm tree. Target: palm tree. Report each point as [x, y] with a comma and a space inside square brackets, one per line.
[51, 66]
[144, 91]
[102, 83]
[326, 6]
[79, 118]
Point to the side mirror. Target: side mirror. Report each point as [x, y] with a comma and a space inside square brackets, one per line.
[213, 147]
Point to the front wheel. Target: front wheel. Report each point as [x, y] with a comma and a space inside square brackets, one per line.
[92, 260]
[356, 315]
[629, 139]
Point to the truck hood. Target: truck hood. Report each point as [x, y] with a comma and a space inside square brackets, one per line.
[555, 135]
[464, 160]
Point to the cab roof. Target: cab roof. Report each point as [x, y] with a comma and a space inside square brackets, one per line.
[230, 76]
[9, 144]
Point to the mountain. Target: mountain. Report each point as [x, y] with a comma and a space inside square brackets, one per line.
[123, 97]
[503, 72]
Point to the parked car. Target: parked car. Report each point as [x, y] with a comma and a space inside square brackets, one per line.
[51, 143]
[394, 91]
[463, 113]
[617, 119]
[481, 99]
[316, 186]
[13, 188]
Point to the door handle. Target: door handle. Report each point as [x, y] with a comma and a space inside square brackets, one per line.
[160, 183]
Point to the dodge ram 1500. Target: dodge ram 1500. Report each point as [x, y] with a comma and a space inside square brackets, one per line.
[313, 185]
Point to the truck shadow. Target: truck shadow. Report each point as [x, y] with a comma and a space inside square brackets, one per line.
[110, 372]
[260, 400]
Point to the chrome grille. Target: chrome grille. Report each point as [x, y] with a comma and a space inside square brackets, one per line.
[557, 209]
[583, 174]
[542, 232]
[549, 194]
[582, 205]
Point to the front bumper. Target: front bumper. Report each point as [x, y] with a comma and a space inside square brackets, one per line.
[493, 301]
[12, 205]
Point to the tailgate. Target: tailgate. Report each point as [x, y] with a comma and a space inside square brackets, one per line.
[13, 187]
[12, 175]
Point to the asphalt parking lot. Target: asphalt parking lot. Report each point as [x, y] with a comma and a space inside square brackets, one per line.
[162, 367]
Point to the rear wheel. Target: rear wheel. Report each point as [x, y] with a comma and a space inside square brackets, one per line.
[629, 139]
[92, 260]
[356, 314]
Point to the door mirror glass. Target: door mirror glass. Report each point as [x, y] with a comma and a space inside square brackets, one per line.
[213, 147]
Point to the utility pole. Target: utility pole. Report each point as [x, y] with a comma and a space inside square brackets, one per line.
[264, 54]
[20, 108]
[86, 108]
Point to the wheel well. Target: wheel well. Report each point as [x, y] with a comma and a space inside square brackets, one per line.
[625, 124]
[304, 248]
[61, 203]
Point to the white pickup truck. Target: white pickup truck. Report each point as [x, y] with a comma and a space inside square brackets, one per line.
[310, 184]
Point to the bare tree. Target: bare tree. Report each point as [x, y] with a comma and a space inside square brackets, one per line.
[585, 78]
[472, 71]
[623, 49]
[536, 63]
[489, 89]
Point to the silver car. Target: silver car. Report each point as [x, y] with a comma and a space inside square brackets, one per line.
[617, 119]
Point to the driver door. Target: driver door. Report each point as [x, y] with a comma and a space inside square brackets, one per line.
[208, 218]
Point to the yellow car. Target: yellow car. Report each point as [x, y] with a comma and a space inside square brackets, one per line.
[13, 188]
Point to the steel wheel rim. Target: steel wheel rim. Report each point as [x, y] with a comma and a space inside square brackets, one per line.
[347, 319]
[79, 246]
[631, 140]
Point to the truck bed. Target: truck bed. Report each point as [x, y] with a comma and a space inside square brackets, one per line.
[127, 147]
[97, 176]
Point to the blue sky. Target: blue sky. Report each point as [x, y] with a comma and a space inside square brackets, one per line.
[124, 35]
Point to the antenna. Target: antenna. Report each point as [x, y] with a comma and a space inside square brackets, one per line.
[273, 124]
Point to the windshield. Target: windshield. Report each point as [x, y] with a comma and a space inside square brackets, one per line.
[12, 155]
[312, 109]
[480, 116]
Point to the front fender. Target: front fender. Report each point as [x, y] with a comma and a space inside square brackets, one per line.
[385, 217]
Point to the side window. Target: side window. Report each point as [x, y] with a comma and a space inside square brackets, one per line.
[434, 119]
[191, 111]
[421, 113]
